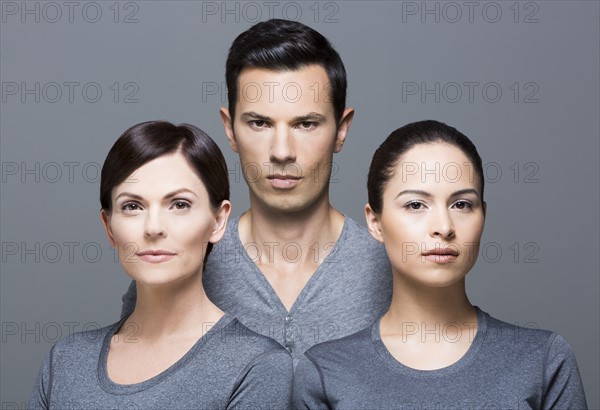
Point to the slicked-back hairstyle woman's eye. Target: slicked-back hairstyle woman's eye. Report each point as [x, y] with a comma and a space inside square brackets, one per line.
[284, 45]
[403, 139]
[149, 140]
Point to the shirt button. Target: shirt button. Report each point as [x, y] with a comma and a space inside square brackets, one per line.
[289, 335]
[288, 319]
[289, 349]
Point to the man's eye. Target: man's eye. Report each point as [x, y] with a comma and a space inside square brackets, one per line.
[307, 125]
[258, 123]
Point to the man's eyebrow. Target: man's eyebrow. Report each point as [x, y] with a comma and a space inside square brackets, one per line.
[311, 116]
[251, 115]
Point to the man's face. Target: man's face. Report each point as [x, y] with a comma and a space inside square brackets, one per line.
[285, 133]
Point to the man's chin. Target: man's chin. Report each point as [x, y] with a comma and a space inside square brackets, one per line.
[288, 204]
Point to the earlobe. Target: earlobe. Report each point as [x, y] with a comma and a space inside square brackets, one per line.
[343, 127]
[373, 223]
[221, 217]
[105, 218]
[228, 126]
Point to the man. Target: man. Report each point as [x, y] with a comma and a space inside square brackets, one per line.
[291, 267]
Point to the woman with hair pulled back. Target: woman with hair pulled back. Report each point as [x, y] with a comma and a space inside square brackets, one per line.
[432, 349]
[164, 193]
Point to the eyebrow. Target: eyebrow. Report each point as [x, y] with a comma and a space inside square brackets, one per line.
[311, 116]
[414, 192]
[466, 192]
[251, 115]
[167, 196]
[428, 195]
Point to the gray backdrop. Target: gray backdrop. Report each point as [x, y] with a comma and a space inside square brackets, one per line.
[520, 78]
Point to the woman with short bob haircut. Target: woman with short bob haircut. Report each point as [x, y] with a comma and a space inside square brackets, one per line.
[432, 349]
[164, 193]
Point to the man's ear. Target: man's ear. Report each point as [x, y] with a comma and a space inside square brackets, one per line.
[228, 125]
[221, 217]
[373, 223]
[343, 127]
[105, 218]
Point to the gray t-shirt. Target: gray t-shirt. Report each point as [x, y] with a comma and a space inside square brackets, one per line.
[351, 288]
[229, 367]
[506, 367]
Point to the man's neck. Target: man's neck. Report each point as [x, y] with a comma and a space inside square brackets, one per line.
[273, 231]
[290, 247]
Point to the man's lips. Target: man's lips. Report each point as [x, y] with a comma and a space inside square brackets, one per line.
[156, 256]
[281, 176]
[283, 181]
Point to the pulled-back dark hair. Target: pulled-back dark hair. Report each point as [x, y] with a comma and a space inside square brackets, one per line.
[282, 45]
[149, 140]
[403, 139]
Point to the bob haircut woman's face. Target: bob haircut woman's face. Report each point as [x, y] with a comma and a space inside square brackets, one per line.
[147, 141]
[162, 221]
[432, 217]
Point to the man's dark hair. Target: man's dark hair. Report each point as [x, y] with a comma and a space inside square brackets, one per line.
[283, 45]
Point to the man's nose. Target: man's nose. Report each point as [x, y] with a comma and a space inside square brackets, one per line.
[282, 148]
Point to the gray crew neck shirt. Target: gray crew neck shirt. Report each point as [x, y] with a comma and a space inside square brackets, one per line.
[349, 290]
[230, 367]
[506, 367]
